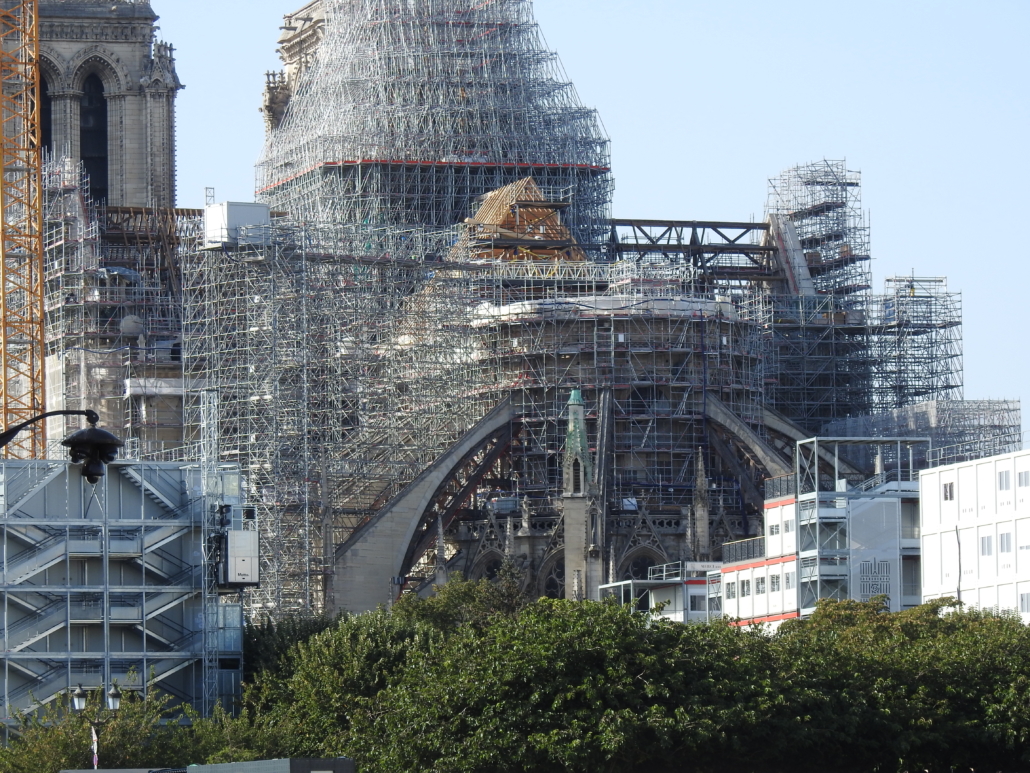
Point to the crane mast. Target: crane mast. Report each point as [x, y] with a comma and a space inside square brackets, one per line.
[22, 389]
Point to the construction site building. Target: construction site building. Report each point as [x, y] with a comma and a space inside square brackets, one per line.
[337, 376]
[119, 581]
[433, 242]
[341, 340]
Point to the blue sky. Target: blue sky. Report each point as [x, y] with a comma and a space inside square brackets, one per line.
[704, 101]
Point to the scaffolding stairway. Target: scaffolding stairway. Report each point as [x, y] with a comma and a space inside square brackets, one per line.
[151, 486]
[30, 562]
[47, 683]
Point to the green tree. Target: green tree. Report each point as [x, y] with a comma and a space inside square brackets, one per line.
[462, 602]
[306, 708]
[267, 642]
[567, 686]
[929, 688]
[478, 678]
[56, 738]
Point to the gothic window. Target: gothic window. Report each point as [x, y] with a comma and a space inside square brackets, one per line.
[637, 569]
[577, 473]
[554, 582]
[93, 135]
[490, 569]
[46, 114]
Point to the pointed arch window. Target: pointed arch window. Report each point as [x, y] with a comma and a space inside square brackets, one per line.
[46, 115]
[577, 477]
[93, 135]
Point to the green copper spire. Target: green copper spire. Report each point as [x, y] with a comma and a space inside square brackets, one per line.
[578, 466]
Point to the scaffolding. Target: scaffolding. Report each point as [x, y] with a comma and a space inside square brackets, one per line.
[112, 314]
[823, 202]
[333, 377]
[339, 361]
[339, 350]
[820, 349]
[660, 351]
[916, 333]
[839, 353]
[409, 112]
[820, 359]
[336, 361]
[959, 430]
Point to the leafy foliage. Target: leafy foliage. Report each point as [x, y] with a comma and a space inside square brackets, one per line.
[561, 686]
[479, 678]
[56, 738]
[265, 644]
[462, 603]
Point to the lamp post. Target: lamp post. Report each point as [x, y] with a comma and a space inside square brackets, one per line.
[114, 702]
[92, 447]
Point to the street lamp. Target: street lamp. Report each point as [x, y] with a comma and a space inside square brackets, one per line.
[92, 447]
[114, 698]
[114, 702]
[80, 697]
[79, 700]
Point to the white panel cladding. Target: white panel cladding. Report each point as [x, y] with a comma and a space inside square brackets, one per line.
[979, 547]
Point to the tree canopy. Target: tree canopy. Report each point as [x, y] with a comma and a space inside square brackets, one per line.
[479, 678]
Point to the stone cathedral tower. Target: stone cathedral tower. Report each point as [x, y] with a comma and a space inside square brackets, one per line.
[108, 97]
[112, 321]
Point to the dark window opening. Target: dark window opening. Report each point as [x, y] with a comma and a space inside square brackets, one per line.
[637, 569]
[554, 584]
[93, 135]
[492, 568]
[46, 116]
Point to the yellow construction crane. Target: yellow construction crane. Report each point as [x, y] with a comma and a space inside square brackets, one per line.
[22, 389]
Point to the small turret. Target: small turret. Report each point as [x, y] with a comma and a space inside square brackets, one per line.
[578, 467]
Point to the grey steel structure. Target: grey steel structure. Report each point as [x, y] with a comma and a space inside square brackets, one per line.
[842, 554]
[117, 581]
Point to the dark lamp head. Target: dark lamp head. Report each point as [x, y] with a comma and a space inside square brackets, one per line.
[93, 448]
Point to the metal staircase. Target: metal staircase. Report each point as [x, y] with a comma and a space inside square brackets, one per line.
[152, 484]
[31, 561]
[122, 558]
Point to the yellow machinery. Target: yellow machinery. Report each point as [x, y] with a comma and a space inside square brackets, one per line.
[21, 219]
